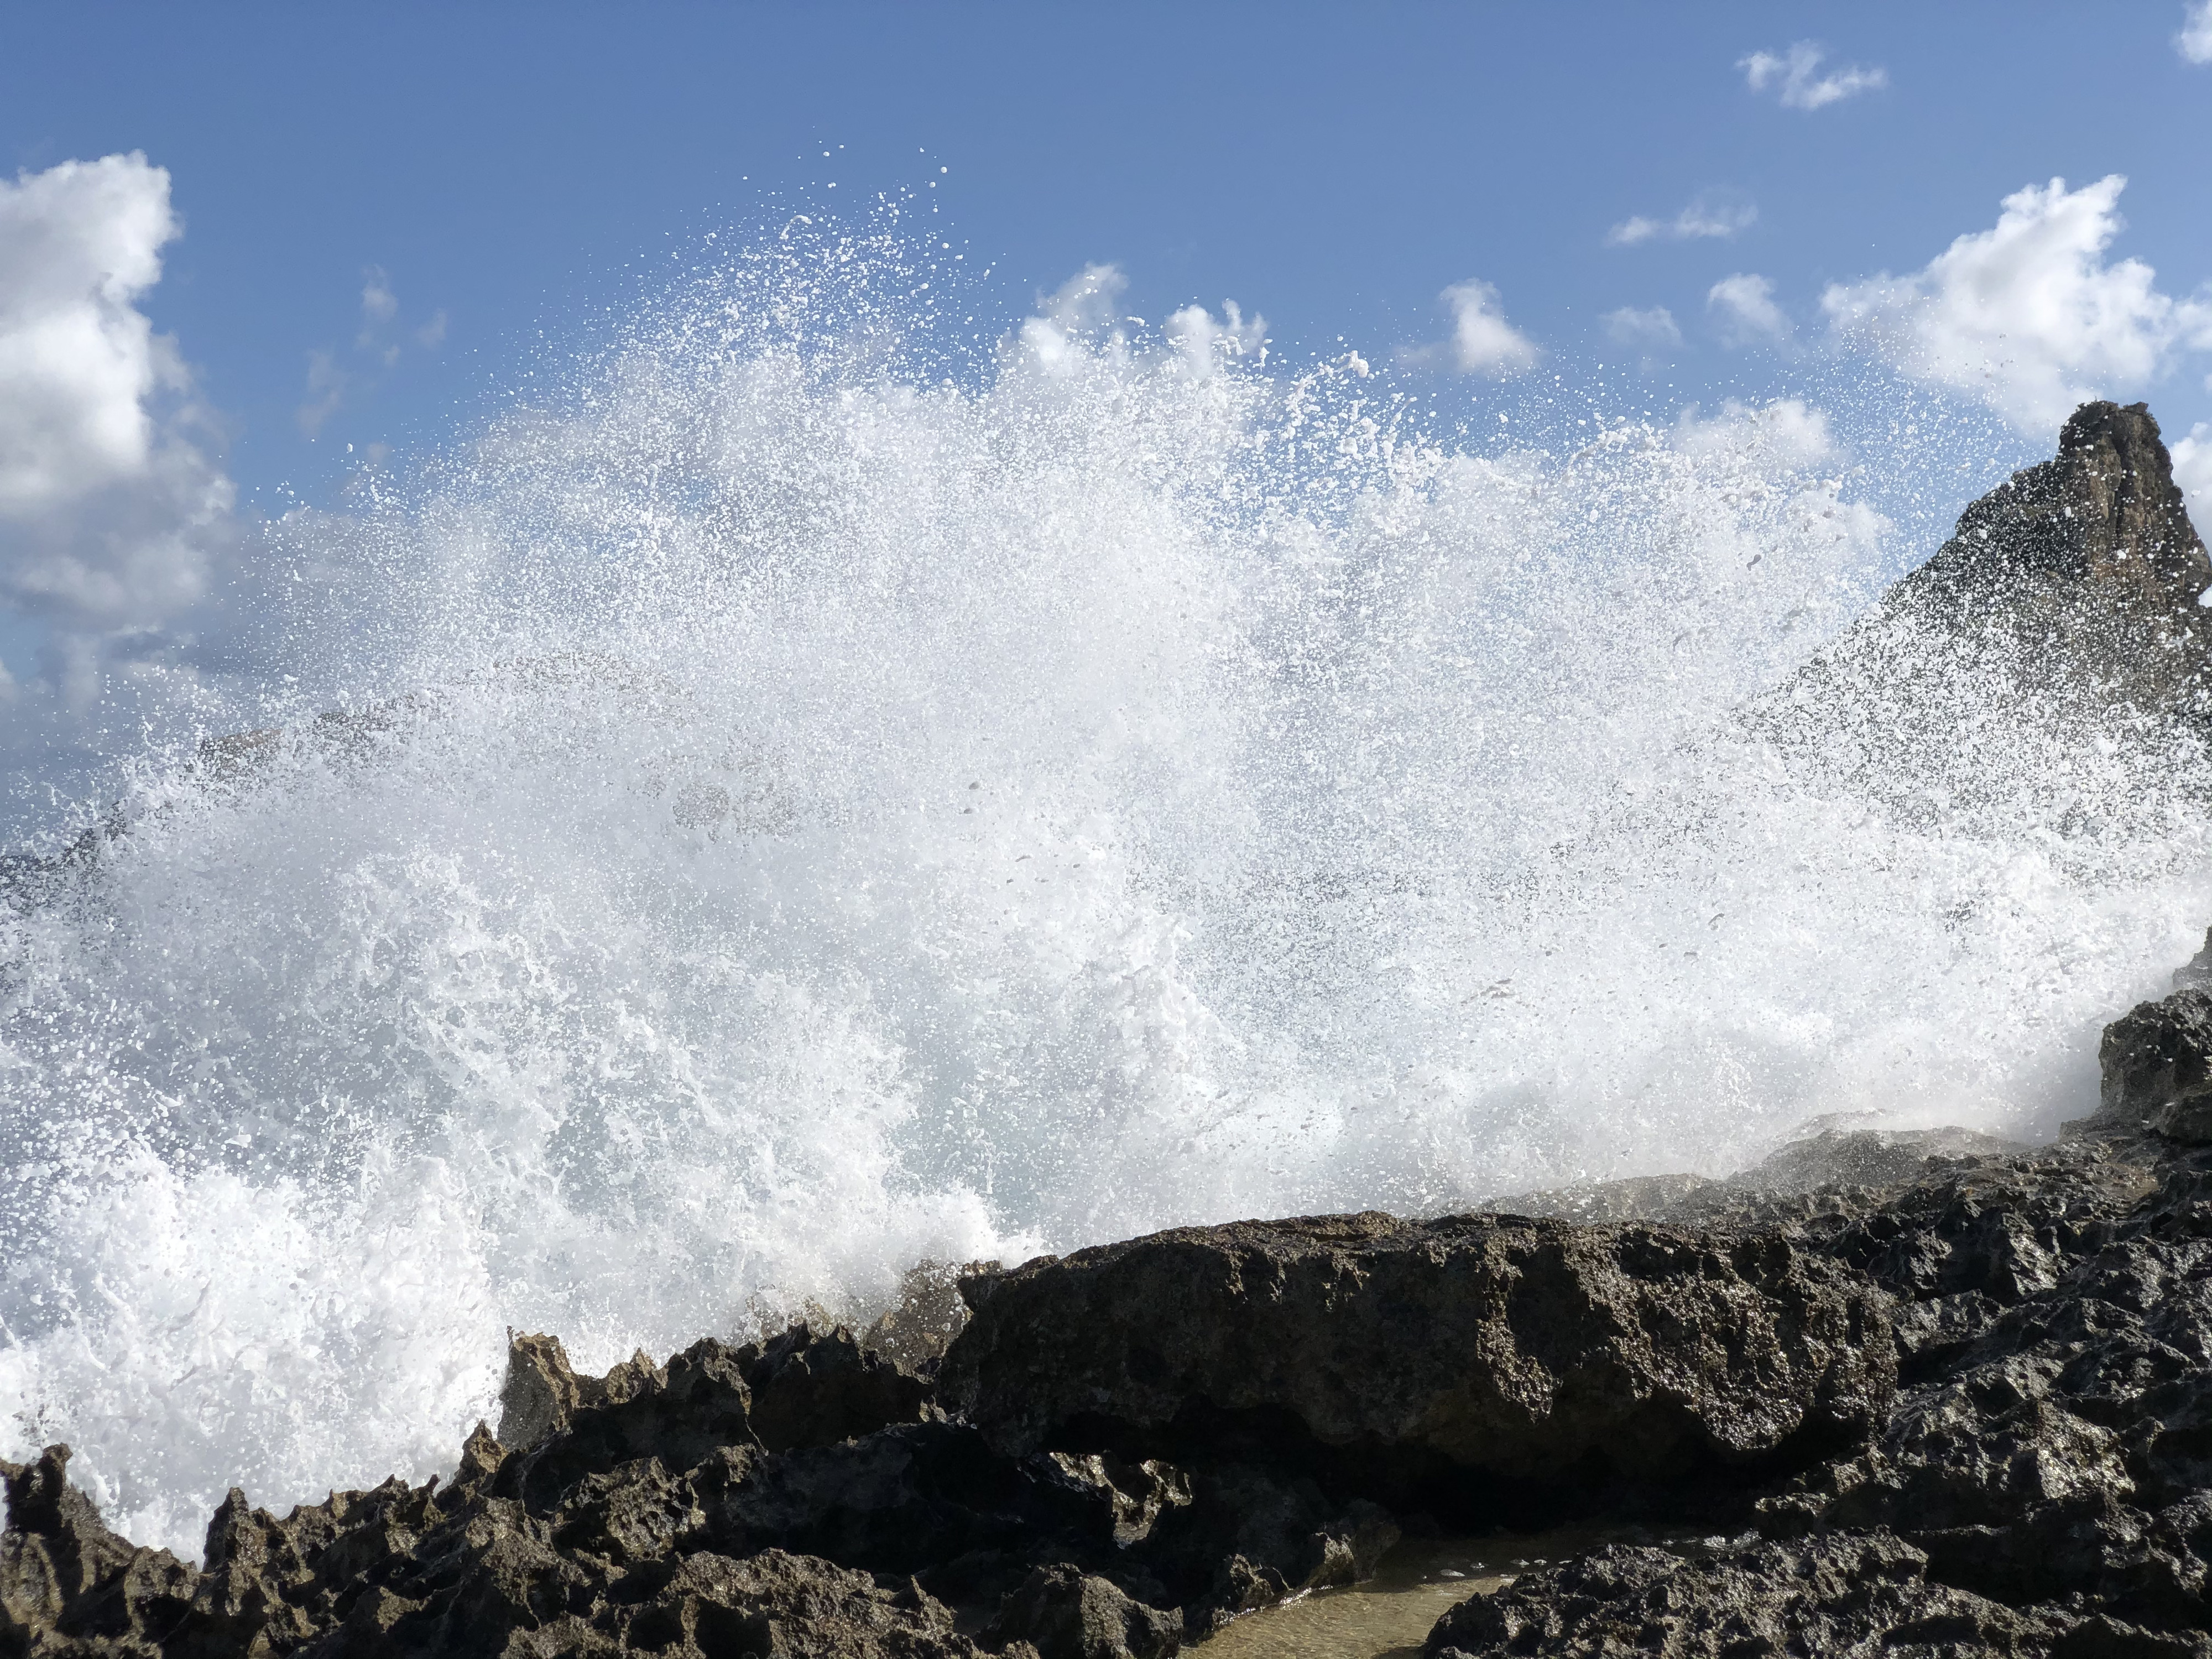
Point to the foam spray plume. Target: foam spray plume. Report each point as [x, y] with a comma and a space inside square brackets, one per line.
[794, 813]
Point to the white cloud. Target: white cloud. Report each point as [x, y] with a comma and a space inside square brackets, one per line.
[1710, 215]
[1786, 434]
[1648, 330]
[78, 244]
[1084, 303]
[1796, 75]
[2195, 40]
[326, 389]
[102, 489]
[1483, 341]
[2192, 471]
[1744, 305]
[1203, 342]
[431, 332]
[379, 304]
[2027, 317]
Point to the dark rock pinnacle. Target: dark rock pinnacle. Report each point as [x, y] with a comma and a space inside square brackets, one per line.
[2088, 562]
[1924, 1395]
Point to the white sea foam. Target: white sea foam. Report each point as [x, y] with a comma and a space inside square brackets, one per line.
[804, 812]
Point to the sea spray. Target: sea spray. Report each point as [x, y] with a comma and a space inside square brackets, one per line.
[796, 800]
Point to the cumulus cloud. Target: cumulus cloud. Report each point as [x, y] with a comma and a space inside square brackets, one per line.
[1085, 304]
[1785, 435]
[1742, 305]
[1202, 341]
[2192, 471]
[2027, 317]
[1710, 215]
[1652, 333]
[104, 490]
[1796, 77]
[1482, 342]
[2194, 43]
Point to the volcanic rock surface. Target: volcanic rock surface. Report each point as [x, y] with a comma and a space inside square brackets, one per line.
[2089, 561]
[2081, 575]
[1924, 1393]
[1499, 1345]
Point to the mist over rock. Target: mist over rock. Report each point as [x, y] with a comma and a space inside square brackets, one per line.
[2087, 565]
[2059, 631]
[1920, 1391]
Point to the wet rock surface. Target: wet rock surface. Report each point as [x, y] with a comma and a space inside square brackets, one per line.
[1930, 1394]
[1943, 1398]
[2076, 558]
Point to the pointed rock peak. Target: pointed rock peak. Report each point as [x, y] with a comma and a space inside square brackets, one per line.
[2088, 566]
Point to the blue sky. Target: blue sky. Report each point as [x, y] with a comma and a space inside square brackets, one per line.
[389, 215]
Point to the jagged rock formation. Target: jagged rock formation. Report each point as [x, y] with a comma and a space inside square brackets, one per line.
[2054, 644]
[2004, 1357]
[1509, 1347]
[1945, 1395]
[2075, 585]
[2088, 564]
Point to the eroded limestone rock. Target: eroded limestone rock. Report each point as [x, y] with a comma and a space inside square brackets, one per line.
[1522, 1347]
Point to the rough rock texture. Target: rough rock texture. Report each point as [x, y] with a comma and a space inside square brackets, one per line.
[2080, 559]
[1065, 1614]
[2158, 1067]
[67, 1583]
[808, 1389]
[1519, 1347]
[1833, 1595]
[2043, 1482]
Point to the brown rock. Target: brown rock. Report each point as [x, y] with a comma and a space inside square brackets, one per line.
[2089, 562]
[1522, 1347]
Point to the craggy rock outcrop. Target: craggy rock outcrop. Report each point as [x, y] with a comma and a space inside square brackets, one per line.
[1824, 1596]
[2158, 1067]
[1518, 1347]
[2056, 634]
[2071, 588]
[2090, 561]
[1937, 1395]
[67, 1583]
[2043, 1483]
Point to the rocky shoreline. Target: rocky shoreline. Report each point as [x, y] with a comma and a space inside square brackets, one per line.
[1931, 1393]
[1965, 1409]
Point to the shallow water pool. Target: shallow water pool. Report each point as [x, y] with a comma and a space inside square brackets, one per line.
[1390, 1616]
